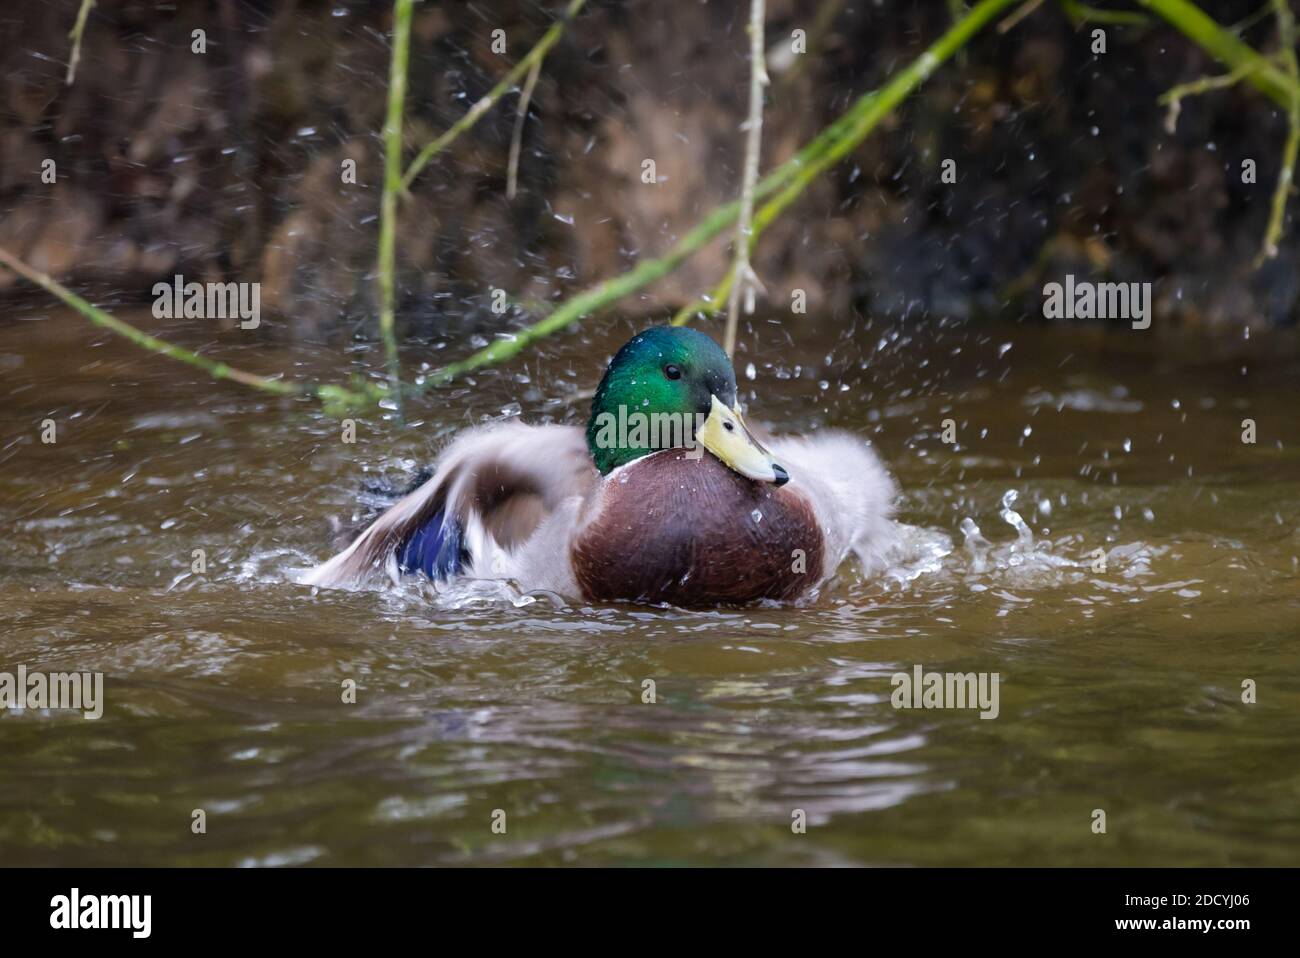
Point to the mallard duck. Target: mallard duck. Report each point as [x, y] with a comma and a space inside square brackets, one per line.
[666, 497]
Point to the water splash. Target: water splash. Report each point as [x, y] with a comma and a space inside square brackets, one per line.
[1024, 537]
[1024, 543]
[976, 545]
[926, 557]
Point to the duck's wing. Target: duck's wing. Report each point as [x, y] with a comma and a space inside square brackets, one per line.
[851, 492]
[491, 490]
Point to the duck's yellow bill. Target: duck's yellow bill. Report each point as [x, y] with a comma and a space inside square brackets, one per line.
[725, 435]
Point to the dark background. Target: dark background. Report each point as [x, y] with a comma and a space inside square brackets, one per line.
[226, 165]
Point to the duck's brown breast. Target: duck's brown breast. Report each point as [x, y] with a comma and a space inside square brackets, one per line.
[694, 533]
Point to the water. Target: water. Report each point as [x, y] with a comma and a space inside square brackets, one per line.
[1120, 689]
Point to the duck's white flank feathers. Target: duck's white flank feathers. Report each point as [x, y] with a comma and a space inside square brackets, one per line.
[850, 490]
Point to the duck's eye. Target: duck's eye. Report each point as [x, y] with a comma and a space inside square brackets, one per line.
[729, 427]
[672, 372]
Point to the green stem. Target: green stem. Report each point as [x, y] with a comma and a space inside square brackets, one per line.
[711, 304]
[78, 28]
[1009, 24]
[827, 148]
[598, 296]
[1080, 13]
[1173, 95]
[392, 186]
[1277, 214]
[476, 112]
[1282, 85]
[216, 370]
[517, 138]
[1225, 47]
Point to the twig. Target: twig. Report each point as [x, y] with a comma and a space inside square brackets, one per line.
[517, 138]
[1277, 216]
[1282, 85]
[476, 112]
[1241, 26]
[833, 144]
[392, 185]
[747, 279]
[74, 34]
[337, 395]
[593, 299]
[710, 303]
[1225, 47]
[1009, 24]
[826, 149]
[1173, 97]
[1083, 13]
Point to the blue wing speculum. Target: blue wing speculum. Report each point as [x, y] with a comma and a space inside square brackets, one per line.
[437, 548]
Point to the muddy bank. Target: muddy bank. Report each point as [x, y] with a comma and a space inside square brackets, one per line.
[227, 164]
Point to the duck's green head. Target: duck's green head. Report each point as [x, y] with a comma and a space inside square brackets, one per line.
[672, 387]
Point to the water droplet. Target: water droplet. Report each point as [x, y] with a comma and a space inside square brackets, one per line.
[1025, 538]
[976, 545]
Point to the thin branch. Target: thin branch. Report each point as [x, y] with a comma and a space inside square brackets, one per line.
[75, 34]
[337, 395]
[709, 303]
[1241, 26]
[825, 150]
[517, 138]
[1080, 13]
[1277, 216]
[476, 112]
[1009, 24]
[595, 298]
[748, 280]
[392, 186]
[1281, 84]
[1225, 47]
[1173, 97]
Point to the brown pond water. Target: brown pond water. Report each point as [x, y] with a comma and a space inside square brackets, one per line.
[1120, 690]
